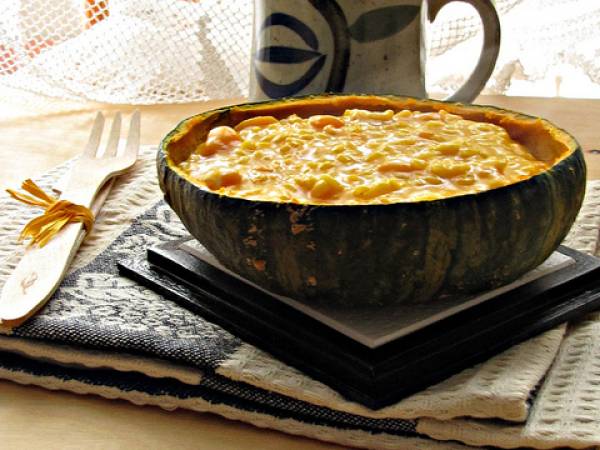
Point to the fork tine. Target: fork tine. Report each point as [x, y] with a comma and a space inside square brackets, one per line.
[133, 138]
[113, 138]
[94, 141]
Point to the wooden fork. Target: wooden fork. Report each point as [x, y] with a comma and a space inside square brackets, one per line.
[41, 270]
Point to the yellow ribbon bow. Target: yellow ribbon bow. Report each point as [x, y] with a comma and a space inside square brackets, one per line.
[57, 214]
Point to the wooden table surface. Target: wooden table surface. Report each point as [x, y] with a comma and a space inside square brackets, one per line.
[34, 418]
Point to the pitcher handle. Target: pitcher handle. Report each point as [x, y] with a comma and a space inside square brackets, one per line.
[489, 51]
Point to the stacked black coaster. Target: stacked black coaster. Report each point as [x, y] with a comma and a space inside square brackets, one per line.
[374, 356]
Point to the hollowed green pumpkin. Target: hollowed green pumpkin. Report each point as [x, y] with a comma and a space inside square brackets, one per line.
[385, 253]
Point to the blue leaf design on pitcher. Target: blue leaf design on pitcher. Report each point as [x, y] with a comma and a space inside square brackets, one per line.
[371, 26]
[382, 22]
[340, 62]
[275, 90]
[289, 55]
[285, 55]
[296, 25]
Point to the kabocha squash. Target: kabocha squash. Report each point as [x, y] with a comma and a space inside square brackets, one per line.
[419, 233]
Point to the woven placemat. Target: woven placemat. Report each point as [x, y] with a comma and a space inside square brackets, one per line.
[99, 320]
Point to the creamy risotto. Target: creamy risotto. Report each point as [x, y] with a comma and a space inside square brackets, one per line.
[360, 157]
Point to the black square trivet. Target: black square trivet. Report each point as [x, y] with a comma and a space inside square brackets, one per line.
[375, 377]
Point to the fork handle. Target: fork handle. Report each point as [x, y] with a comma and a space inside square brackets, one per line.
[83, 187]
[41, 270]
[38, 274]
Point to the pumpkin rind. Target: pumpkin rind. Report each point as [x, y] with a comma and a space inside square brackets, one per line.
[376, 254]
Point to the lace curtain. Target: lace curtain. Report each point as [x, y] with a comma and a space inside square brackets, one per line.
[168, 51]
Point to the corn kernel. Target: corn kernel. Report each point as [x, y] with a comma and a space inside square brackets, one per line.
[495, 183]
[484, 173]
[320, 121]
[325, 165]
[326, 187]
[278, 138]
[360, 191]
[433, 180]
[441, 138]
[344, 159]
[306, 183]
[400, 124]
[248, 145]
[374, 156]
[483, 127]
[468, 152]
[499, 163]
[338, 149]
[427, 116]
[405, 141]
[426, 153]
[402, 165]
[434, 124]
[405, 113]
[448, 168]
[351, 146]
[380, 188]
[453, 117]
[418, 164]
[331, 130]
[259, 121]
[285, 149]
[466, 180]
[448, 148]
[381, 115]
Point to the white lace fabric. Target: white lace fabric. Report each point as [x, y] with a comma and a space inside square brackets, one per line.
[170, 51]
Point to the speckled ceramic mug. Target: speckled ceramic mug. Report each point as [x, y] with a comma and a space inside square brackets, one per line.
[375, 46]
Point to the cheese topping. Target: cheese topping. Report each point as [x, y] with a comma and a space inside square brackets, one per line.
[361, 157]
